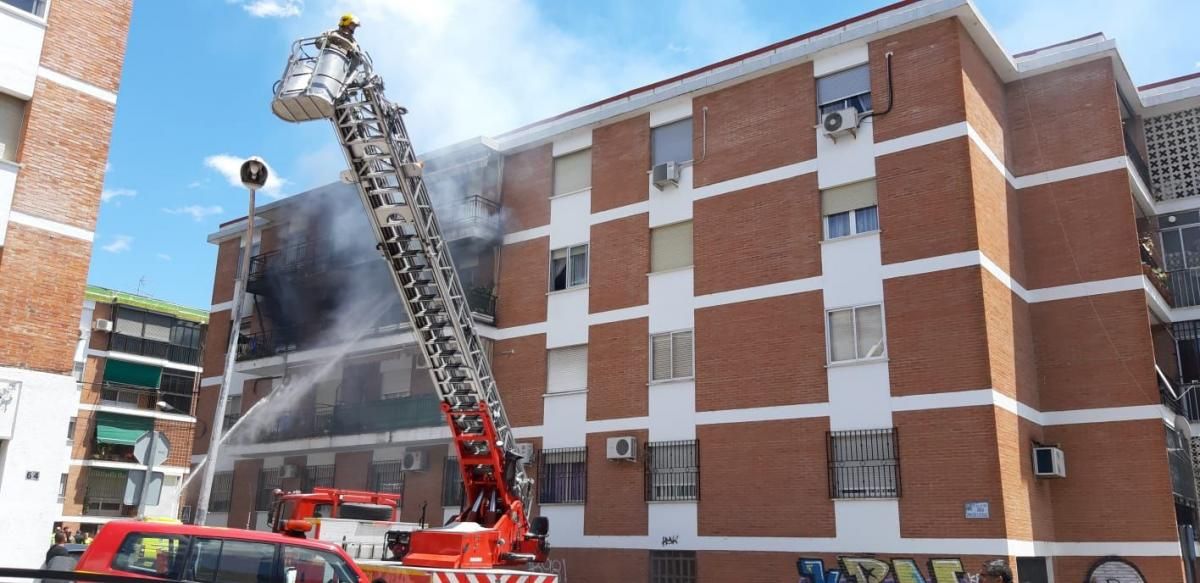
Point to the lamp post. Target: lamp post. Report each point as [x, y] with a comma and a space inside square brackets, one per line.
[254, 176]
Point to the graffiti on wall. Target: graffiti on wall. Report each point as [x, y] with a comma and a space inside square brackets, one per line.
[551, 566]
[1114, 570]
[869, 569]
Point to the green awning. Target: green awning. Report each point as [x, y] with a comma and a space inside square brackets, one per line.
[132, 373]
[121, 429]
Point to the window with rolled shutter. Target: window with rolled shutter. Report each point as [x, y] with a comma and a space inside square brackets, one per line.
[573, 172]
[671, 356]
[129, 322]
[158, 327]
[671, 247]
[566, 369]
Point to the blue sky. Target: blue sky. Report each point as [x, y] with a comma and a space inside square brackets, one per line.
[196, 87]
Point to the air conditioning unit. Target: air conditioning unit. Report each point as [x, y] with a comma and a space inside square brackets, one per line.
[842, 121]
[289, 471]
[622, 448]
[414, 461]
[666, 174]
[526, 451]
[1049, 462]
[102, 325]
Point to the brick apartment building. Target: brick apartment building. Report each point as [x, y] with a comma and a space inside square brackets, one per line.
[833, 349]
[60, 66]
[136, 353]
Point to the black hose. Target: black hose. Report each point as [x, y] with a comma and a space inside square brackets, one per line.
[891, 96]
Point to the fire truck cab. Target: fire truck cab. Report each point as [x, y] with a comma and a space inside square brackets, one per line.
[333, 503]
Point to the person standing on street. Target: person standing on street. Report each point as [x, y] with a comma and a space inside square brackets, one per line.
[58, 549]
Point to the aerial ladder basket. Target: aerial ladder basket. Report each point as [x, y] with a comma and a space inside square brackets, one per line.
[317, 72]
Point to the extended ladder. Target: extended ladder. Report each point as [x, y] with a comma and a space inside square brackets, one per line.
[381, 156]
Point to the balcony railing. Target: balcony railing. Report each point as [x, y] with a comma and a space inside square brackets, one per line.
[155, 349]
[352, 419]
[1135, 156]
[1185, 287]
[475, 218]
[133, 397]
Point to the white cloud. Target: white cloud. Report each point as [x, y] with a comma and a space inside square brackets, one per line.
[197, 212]
[230, 166]
[107, 167]
[111, 194]
[119, 244]
[163, 256]
[272, 8]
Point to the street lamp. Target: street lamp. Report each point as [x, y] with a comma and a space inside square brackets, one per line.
[254, 175]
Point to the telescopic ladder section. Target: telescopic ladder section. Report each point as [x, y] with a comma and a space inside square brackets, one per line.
[382, 158]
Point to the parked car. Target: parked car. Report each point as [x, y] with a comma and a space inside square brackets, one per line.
[65, 562]
[211, 554]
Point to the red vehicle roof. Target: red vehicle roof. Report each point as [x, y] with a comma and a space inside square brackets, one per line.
[98, 556]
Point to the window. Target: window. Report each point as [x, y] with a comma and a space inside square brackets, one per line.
[313, 566]
[395, 377]
[568, 267]
[566, 369]
[864, 464]
[71, 425]
[850, 209]
[12, 123]
[671, 356]
[317, 477]
[140, 553]
[386, 477]
[562, 477]
[573, 172]
[672, 566]
[62, 485]
[672, 470]
[452, 484]
[856, 333]
[671, 142]
[222, 490]
[231, 561]
[233, 411]
[671, 247]
[268, 481]
[105, 491]
[845, 89]
[34, 7]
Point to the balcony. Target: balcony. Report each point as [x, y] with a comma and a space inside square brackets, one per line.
[155, 349]
[476, 219]
[356, 418]
[146, 398]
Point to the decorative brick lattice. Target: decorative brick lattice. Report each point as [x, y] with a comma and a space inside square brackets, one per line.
[1173, 146]
[1196, 460]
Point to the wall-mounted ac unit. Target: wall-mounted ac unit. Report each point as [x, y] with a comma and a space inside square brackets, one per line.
[1049, 462]
[102, 325]
[622, 448]
[414, 461]
[840, 122]
[526, 451]
[666, 174]
[289, 471]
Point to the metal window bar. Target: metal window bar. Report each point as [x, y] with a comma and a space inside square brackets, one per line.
[452, 484]
[317, 477]
[672, 470]
[386, 477]
[864, 463]
[672, 566]
[222, 491]
[268, 481]
[562, 475]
